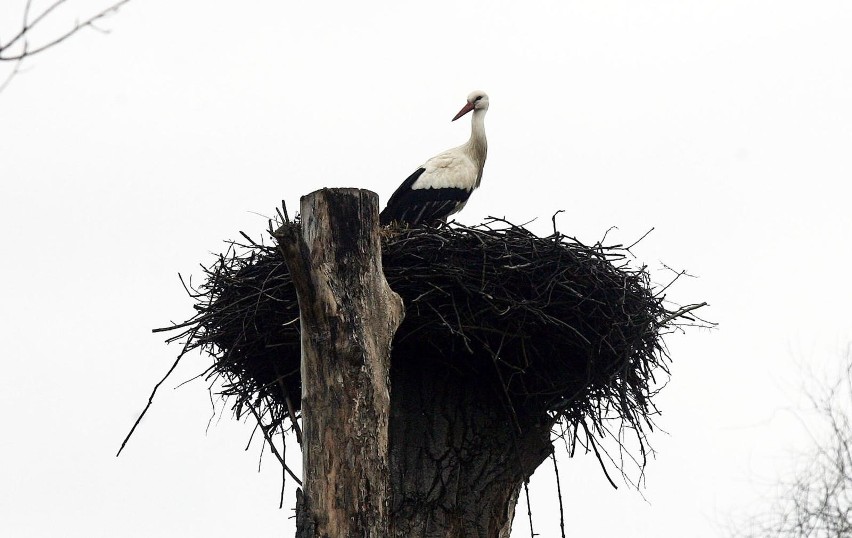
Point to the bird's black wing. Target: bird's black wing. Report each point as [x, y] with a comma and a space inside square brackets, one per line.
[395, 206]
[422, 206]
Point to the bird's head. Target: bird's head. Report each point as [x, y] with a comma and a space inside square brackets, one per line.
[477, 100]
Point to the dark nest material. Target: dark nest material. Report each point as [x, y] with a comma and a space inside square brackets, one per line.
[568, 333]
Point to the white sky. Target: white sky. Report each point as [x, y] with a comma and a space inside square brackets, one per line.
[127, 158]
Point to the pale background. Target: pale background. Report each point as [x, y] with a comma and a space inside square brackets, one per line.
[127, 158]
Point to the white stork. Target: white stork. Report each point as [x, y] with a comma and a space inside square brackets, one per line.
[442, 185]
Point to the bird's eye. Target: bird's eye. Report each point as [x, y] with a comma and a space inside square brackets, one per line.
[477, 99]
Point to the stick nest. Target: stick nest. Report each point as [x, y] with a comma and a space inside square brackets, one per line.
[567, 333]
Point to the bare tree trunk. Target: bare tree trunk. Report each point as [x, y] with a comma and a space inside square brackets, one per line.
[438, 455]
[348, 318]
[457, 461]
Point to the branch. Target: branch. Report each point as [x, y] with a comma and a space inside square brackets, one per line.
[28, 26]
[680, 312]
[12, 74]
[148, 405]
[268, 438]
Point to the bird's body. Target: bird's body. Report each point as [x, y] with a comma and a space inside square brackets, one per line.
[443, 184]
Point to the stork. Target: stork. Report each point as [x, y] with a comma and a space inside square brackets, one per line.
[443, 184]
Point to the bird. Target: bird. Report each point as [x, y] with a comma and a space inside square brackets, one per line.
[442, 185]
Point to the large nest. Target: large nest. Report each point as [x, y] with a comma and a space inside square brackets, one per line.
[566, 332]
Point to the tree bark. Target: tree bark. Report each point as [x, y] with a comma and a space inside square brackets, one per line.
[348, 318]
[438, 454]
[457, 460]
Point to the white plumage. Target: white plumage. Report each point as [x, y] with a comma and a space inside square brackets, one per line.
[443, 184]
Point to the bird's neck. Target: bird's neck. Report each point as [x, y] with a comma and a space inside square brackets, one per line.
[477, 145]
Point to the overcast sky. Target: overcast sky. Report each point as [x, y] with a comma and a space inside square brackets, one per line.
[127, 158]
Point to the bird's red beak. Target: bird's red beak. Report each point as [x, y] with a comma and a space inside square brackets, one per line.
[467, 108]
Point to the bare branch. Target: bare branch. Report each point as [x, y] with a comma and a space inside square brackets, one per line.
[817, 501]
[681, 313]
[266, 430]
[18, 48]
[29, 26]
[15, 70]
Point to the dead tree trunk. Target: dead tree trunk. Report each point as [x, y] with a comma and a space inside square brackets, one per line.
[438, 454]
[458, 460]
[348, 318]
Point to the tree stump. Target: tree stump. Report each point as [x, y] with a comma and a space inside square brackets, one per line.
[436, 454]
[348, 317]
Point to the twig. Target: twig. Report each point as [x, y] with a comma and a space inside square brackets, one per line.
[272, 447]
[594, 444]
[553, 220]
[529, 508]
[35, 22]
[148, 405]
[559, 494]
[291, 410]
[15, 70]
[680, 313]
[639, 240]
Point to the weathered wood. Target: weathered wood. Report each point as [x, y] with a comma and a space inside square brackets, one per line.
[437, 456]
[348, 318]
[457, 461]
